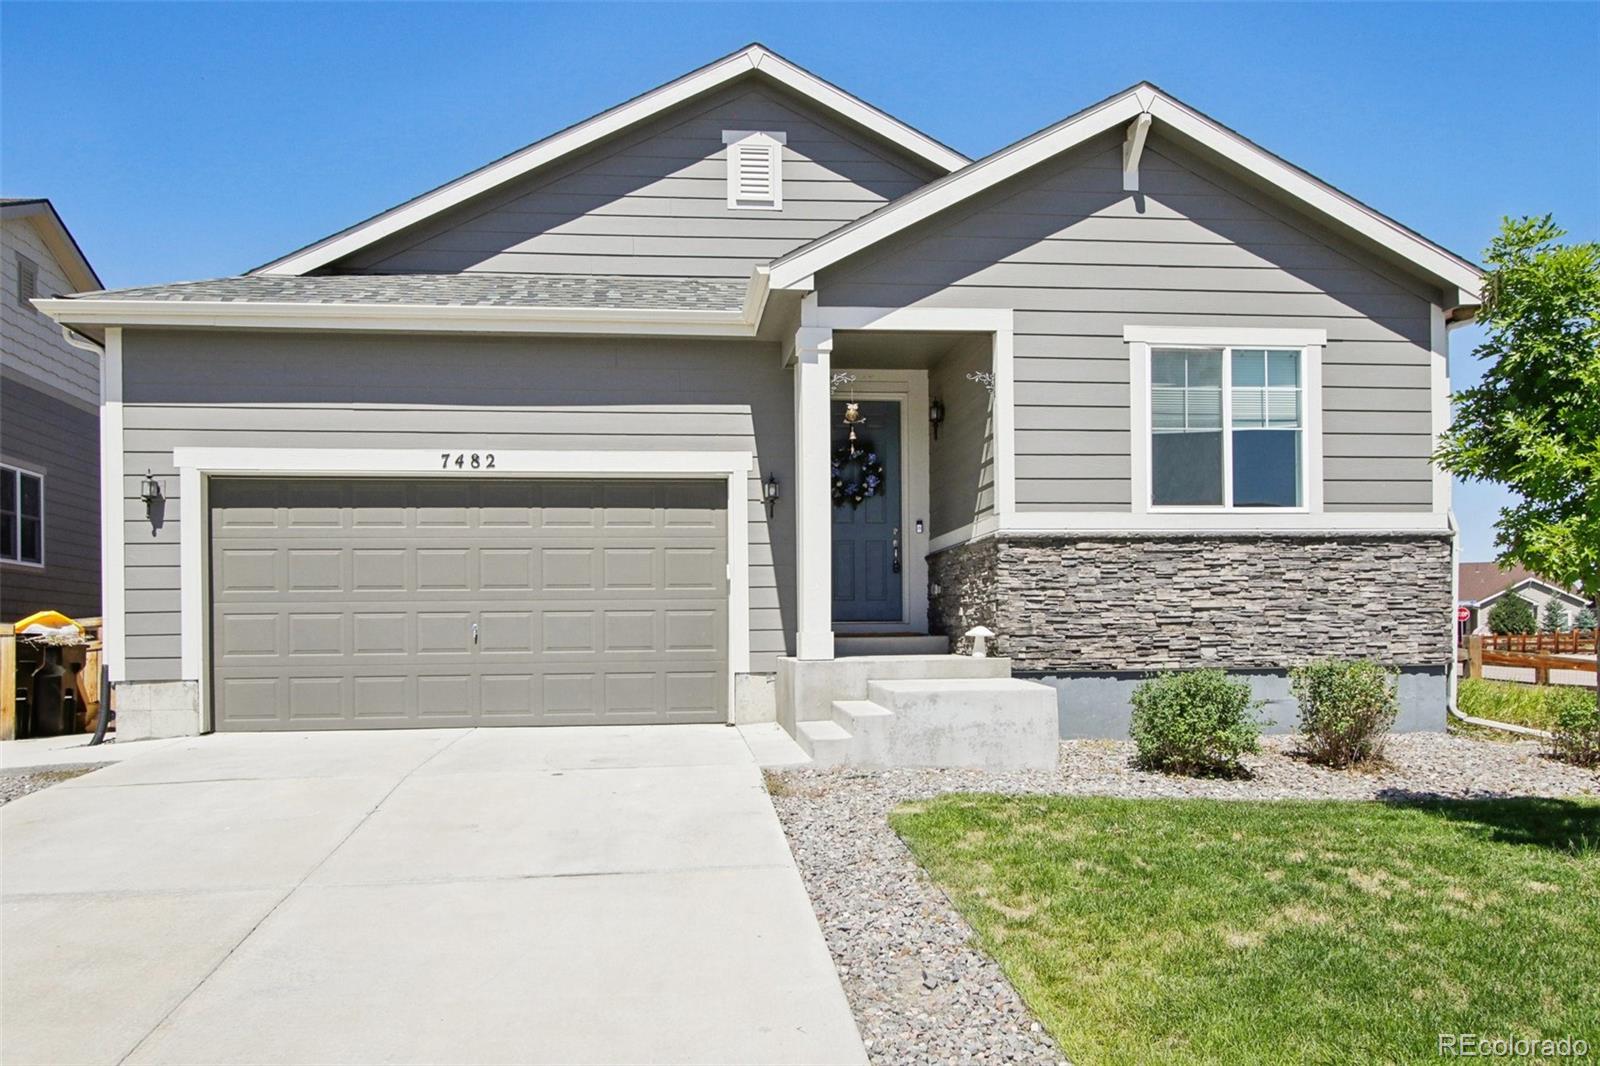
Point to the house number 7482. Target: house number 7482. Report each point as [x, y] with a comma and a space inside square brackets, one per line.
[466, 460]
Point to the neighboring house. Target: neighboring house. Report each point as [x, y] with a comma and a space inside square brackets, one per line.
[49, 424]
[1482, 584]
[507, 453]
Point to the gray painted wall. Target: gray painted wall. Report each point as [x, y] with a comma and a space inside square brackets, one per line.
[1095, 706]
[1078, 259]
[450, 393]
[31, 344]
[961, 459]
[654, 201]
[60, 440]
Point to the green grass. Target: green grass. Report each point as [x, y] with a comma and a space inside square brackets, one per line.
[1506, 701]
[1222, 932]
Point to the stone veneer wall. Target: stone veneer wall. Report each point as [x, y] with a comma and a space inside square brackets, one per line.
[1146, 602]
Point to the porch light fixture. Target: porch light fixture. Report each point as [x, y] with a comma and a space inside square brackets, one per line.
[935, 415]
[149, 491]
[770, 493]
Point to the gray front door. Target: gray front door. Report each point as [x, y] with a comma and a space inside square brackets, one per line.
[367, 603]
[867, 537]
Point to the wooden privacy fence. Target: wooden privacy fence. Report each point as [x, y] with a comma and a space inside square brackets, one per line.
[15, 671]
[1561, 651]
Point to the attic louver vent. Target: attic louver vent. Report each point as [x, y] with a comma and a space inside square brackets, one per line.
[755, 169]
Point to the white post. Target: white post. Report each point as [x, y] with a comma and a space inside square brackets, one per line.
[813, 502]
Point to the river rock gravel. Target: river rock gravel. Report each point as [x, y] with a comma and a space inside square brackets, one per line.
[922, 994]
[14, 784]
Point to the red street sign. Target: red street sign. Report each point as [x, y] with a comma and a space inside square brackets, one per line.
[1462, 614]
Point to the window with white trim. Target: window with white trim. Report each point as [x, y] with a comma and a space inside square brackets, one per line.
[21, 516]
[755, 170]
[1227, 427]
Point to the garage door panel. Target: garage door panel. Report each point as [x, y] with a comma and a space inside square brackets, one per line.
[351, 603]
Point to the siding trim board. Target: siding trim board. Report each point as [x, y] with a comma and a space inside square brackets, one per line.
[196, 465]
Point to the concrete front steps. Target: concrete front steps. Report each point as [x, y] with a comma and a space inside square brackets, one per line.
[858, 644]
[925, 710]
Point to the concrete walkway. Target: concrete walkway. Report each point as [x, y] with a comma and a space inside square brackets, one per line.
[464, 896]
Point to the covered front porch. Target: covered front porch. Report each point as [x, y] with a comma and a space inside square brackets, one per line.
[902, 429]
[902, 420]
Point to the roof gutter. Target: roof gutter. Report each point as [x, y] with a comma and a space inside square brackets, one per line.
[412, 318]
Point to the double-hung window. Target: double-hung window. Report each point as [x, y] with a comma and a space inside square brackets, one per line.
[1227, 427]
[21, 516]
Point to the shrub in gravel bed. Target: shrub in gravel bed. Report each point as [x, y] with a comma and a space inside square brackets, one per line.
[1198, 722]
[1576, 733]
[1346, 709]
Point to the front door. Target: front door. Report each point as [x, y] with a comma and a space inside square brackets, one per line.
[866, 533]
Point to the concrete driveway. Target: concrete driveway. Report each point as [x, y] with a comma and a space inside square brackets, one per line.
[471, 896]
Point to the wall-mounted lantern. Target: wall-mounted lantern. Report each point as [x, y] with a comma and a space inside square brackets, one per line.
[935, 416]
[149, 492]
[770, 493]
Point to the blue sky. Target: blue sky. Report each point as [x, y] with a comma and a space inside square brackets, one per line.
[192, 140]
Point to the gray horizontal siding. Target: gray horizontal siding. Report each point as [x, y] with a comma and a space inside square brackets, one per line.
[961, 458]
[450, 394]
[654, 201]
[61, 440]
[1078, 260]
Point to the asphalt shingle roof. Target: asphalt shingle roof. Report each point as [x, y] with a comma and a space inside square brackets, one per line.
[452, 290]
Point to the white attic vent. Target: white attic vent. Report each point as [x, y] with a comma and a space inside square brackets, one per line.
[755, 169]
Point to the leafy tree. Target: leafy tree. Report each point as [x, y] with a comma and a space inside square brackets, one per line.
[1511, 614]
[1585, 619]
[1533, 422]
[1554, 617]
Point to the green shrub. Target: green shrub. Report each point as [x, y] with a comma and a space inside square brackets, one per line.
[1554, 617]
[1575, 736]
[1346, 709]
[1511, 614]
[1506, 701]
[1198, 722]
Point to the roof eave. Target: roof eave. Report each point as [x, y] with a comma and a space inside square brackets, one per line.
[1460, 281]
[58, 238]
[750, 59]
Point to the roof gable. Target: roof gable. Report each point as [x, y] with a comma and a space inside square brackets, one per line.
[1347, 216]
[754, 60]
[56, 237]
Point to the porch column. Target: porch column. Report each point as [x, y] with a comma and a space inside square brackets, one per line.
[813, 369]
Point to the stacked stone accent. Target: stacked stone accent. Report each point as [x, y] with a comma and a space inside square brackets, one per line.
[1255, 601]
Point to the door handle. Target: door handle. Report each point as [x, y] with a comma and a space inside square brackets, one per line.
[474, 632]
[895, 563]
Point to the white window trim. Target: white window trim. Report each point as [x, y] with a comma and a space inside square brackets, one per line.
[1310, 342]
[20, 470]
[773, 143]
[196, 465]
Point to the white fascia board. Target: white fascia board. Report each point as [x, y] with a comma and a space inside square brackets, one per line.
[1321, 197]
[1462, 280]
[605, 124]
[789, 271]
[425, 318]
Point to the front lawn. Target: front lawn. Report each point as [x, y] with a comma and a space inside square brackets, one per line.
[1222, 931]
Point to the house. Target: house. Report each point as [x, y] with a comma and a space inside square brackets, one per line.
[1480, 585]
[744, 399]
[49, 423]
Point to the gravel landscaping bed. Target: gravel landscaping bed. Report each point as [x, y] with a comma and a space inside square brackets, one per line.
[14, 784]
[922, 994]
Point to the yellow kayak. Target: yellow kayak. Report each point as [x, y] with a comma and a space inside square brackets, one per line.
[47, 619]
